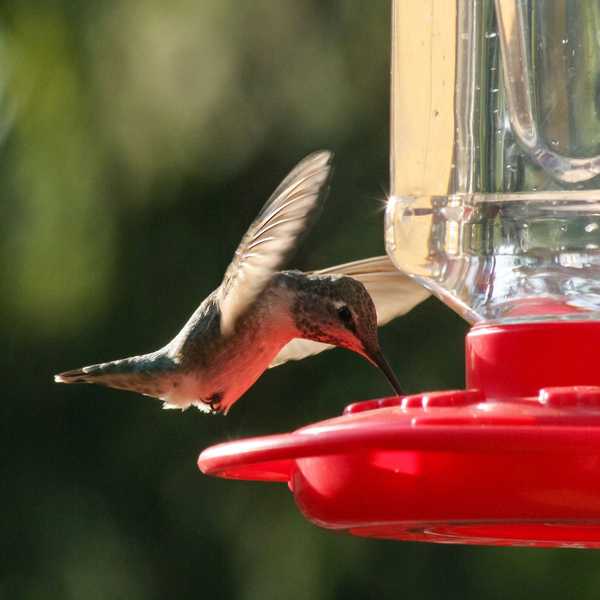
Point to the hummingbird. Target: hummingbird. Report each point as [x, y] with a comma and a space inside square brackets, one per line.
[261, 316]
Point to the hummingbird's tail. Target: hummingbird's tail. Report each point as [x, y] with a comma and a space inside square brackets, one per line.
[146, 374]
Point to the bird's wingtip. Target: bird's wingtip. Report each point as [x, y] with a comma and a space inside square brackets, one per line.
[324, 155]
[59, 379]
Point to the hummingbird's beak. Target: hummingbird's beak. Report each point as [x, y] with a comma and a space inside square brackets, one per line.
[377, 358]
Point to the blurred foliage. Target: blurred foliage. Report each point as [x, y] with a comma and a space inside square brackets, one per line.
[139, 138]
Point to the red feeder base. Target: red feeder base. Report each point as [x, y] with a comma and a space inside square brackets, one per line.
[513, 461]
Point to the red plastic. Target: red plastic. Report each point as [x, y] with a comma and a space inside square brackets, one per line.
[513, 460]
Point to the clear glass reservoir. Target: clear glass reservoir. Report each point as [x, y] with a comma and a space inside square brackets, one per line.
[495, 194]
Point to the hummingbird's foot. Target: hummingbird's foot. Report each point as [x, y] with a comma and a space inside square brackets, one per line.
[214, 402]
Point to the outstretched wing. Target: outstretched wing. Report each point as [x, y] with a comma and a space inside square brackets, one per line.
[298, 349]
[393, 294]
[273, 236]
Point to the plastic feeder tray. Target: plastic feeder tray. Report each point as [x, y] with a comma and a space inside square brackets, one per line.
[514, 460]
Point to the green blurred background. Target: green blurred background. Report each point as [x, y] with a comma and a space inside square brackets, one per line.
[139, 139]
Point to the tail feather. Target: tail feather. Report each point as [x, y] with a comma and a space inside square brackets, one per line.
[95, 373]
[75, 376]
[143, 374]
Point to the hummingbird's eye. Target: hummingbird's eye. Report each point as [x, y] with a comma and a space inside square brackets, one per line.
[344, 314]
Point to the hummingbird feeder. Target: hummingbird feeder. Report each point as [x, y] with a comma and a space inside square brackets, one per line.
[495, 208]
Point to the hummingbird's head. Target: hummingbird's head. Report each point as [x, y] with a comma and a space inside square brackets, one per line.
[338, 310]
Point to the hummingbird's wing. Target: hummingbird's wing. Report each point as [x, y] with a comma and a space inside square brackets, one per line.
[273, 236]
[298, 349]
[393, 294]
